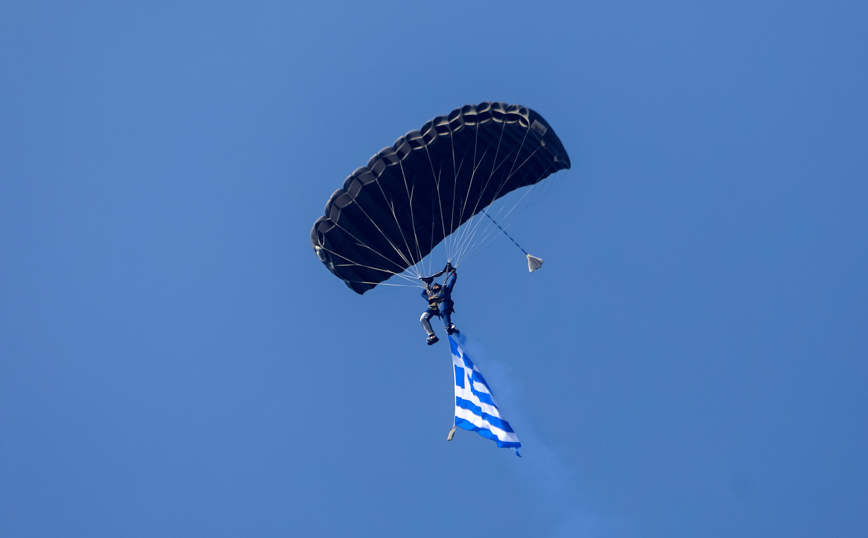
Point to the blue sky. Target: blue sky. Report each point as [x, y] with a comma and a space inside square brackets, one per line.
[691, 361]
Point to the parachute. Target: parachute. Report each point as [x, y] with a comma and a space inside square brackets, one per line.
[414, 194]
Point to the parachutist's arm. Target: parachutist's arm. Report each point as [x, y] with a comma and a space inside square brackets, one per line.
[450, 281]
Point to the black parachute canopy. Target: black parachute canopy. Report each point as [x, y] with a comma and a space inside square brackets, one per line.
[391, 213]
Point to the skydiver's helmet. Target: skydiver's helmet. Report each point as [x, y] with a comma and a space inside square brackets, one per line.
[435, 287]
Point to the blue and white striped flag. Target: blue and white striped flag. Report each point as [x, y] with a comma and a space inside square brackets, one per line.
[475, 408]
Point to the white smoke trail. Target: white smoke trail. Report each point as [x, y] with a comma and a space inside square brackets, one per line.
[551, 482]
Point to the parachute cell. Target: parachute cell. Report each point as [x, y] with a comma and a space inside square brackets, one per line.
[391, 213]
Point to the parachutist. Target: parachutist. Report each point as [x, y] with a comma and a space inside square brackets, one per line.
[439, 302]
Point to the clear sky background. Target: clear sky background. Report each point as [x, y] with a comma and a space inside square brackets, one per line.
[691, 361]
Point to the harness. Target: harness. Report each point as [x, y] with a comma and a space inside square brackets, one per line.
[435, 298]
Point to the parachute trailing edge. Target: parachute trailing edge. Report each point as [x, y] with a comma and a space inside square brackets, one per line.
[393, 212]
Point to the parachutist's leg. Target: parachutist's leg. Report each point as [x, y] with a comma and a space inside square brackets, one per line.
[425, 323]
[432, 338]
[446, 313]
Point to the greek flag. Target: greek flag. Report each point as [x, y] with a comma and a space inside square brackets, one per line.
[475, 408]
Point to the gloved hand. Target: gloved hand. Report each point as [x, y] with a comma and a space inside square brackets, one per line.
[448, 267]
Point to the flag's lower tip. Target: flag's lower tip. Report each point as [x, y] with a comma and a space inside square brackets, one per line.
[451, 434]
